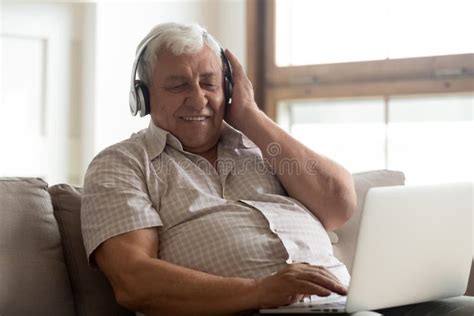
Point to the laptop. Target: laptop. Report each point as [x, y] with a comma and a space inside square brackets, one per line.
[414, 245]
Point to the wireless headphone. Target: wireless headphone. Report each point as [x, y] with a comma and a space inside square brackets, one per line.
[139, 97]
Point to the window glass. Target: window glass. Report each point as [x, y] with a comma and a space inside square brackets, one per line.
[431, 138]
[321, 32]
[351, 132]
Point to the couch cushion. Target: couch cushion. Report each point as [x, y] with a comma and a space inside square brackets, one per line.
[470, 284]
[92, 292]
[344, 248]
[33, 274]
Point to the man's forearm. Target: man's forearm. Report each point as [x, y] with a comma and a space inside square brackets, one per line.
[157, 287]
[322, 185]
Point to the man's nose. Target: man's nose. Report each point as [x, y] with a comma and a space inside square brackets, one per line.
[197, 98]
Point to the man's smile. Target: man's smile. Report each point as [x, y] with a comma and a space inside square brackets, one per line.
[198, 118]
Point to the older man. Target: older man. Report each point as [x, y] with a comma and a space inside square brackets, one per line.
[197, 215]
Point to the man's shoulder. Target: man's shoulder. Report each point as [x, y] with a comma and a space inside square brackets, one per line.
[130, 150]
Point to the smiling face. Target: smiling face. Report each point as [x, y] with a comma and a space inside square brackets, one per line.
[187, 98]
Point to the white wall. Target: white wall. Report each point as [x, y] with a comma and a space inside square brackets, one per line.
[88, 91]
[26, 149]
[91, 48]
[119, 28]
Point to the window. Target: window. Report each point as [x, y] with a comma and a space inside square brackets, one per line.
[351, 131]
[429, 138]
[371, 83]
[323, 32]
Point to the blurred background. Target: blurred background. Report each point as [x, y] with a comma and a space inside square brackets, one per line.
[373, 84]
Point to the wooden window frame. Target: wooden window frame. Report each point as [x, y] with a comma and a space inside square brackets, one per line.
[407, 76]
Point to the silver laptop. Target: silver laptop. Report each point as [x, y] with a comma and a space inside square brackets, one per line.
[414, 245]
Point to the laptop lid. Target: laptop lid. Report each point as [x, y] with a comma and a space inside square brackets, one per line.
[414, 245]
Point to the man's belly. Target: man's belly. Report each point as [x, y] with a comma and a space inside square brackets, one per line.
[238, 242]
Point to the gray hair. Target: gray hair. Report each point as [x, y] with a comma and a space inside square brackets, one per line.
[177, 37]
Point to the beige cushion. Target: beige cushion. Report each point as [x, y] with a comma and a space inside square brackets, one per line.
[33, 275]
[92, 292]
[344, 248]
[470, 285]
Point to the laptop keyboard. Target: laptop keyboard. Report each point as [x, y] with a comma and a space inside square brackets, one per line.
[331, 303]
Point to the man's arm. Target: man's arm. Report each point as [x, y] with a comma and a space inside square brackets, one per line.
[322, 185]
[144, 283]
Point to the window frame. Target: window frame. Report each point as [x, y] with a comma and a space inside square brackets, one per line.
[389, 77]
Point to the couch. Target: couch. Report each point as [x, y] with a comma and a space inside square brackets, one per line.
[43, 267]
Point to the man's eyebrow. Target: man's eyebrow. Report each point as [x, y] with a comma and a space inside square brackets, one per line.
[208, 75]
[175, 78]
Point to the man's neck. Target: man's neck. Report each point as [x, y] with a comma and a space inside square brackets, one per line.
[211, 155]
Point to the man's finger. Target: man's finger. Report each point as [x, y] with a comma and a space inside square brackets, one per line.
[329, 274]
[324, 281]
[318, 269]
[309, 288]
[325, 271]
[234, 62]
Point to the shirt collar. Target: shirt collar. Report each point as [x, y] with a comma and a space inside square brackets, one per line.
[233, 138]
[157, 139]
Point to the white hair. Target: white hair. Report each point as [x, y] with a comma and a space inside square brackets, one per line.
[177, 37]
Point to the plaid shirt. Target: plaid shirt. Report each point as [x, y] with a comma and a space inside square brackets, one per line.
[234, 220]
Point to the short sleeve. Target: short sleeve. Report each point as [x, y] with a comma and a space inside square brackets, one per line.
[115, 199]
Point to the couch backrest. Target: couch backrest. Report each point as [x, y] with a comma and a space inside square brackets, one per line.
[92, 292]
[33, 275]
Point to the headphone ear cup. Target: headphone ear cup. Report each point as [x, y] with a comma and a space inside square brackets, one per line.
[146, 97]
[143, 98]
[228, 90]
[228, 80]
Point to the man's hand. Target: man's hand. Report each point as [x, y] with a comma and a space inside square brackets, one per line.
[243, 102]
[289, 285]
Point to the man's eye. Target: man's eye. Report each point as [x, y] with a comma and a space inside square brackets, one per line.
[178, 87]
[209, 86]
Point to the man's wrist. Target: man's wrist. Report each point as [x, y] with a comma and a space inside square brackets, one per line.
[250, 295]
[248, 117]
[255, 292]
